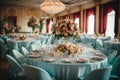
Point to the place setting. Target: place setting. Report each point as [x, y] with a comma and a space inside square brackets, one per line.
[67, 60]
[49, 59]
[98, 58]
[82, 60]
[34, 55]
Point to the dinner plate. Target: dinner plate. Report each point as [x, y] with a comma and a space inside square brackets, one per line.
[98, 54]
[66, 60]
[82, 60]
[34, 55]
[97, 58]
[48, 59]
[35, 50]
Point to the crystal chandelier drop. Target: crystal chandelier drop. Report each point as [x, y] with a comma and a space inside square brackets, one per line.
[52, 6]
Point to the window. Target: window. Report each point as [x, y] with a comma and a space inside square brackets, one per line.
[91, 19]
[50, 26]
[77, 22]
[110, 24]
[44, 26]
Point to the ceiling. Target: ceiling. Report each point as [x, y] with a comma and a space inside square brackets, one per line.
[36, 3]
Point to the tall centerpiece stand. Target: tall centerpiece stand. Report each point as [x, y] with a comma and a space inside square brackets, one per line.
[66, 32]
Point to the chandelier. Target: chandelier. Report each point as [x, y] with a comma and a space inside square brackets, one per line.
[52, 6]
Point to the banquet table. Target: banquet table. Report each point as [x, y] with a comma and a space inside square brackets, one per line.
[68, 67]
[17, 44]
[112, 45]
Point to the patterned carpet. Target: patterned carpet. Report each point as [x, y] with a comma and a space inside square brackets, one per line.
[3, 69]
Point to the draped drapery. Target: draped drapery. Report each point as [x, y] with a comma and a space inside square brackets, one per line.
[104, 10]
[76, 15]
[88, 13]
[48, 23]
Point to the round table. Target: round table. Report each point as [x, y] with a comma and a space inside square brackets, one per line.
[70, 70]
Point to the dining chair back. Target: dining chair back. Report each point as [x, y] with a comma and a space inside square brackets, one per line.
[35, 46]
[36, 73]
[115, 73]
[99, 74]
[25, 51]
[15, 68]
[19, 57]
[116, 66]
[112, 56]
[99, 43]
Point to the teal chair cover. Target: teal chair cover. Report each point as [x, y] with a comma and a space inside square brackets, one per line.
[115, 74]
[19, 57]
[25, 51]
[99, 74]
[3, 49]
[49, 40]
[99, 43]
[35, 47]
[112, 56]
[36, 73]
[116, 66]
[15, 69]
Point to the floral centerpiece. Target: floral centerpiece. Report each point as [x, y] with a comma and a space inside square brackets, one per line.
[65, 28]
[35, 23]
[68, 48]
[6, 27]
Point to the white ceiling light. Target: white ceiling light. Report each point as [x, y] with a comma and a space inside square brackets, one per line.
[52, 6]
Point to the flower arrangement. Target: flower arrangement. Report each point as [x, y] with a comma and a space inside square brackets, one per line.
[6, 27]
[35, 23]
[61, 48]
[68, 48]
[65, 28]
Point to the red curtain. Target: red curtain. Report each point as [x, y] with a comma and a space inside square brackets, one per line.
[88, 13]
[48, 23]
[64, 17]
[76, 15]
[58, 18]
[104, 10]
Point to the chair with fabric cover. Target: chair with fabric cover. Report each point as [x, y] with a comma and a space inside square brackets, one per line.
[112, 56]
[25, 51]
[43, 40]
[115, 74]
[99, 74]
[19, 57]
[15, 69]
[116, 68]
[84, 39]
[3, 49]
[49, 40]
[99, 43]
[35, 47]
[107, 38]
[36, 73]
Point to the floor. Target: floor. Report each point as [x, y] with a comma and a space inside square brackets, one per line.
[3, 69]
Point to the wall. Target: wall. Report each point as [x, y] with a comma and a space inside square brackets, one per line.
[22, 13]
